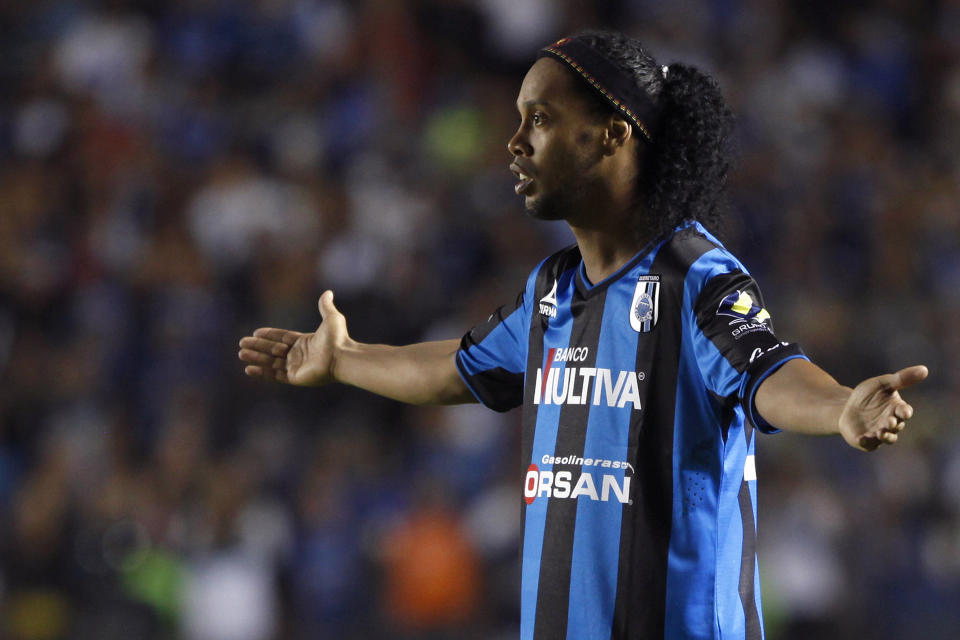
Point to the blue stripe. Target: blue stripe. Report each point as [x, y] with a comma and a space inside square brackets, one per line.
[697, 470]
[706, 481]
[544, 443]
[596, 542]
[721, 378]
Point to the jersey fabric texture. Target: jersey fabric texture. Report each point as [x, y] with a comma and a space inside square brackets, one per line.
[639, 501]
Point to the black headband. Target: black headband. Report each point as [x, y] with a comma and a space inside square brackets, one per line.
[616, 87]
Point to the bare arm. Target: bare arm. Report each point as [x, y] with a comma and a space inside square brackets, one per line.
[424, 373]
[802, 397]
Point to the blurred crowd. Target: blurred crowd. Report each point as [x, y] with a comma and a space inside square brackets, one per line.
[176, 173]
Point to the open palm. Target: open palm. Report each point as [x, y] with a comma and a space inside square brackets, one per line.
[292, 357]
[875, 413]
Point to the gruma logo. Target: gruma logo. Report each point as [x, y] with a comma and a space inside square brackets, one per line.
[599, 487]
[740, 306]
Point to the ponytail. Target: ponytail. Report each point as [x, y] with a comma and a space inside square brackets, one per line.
[684, 170]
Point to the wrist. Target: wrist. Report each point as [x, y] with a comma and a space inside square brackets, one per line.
[339, 352]
[345, 351]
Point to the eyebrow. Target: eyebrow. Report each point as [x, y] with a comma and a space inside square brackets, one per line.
[534, 103]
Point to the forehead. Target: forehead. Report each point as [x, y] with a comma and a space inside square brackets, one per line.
[548, 81]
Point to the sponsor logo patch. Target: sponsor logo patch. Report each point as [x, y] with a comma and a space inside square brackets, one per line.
[747, 315]
[740, 305]
[566, 384]
[548, 303]
[586, 479]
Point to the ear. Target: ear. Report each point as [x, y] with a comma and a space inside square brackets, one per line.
[616, 134]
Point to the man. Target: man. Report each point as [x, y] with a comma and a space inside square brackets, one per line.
[642, 356]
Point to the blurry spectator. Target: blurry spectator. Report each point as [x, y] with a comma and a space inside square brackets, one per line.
[238, 211]
[432, 577]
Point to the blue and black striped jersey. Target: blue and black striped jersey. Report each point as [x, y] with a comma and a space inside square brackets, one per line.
[639, 492]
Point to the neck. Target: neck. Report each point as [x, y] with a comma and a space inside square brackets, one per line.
[605, 226]
[605, 250]
[608, 239]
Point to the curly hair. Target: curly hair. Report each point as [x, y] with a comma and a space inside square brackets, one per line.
[683, 172]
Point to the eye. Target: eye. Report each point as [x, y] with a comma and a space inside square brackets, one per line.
[538, 118]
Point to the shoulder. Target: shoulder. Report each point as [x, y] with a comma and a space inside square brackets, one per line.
[698, 255]
[551, 268]
[559, 262]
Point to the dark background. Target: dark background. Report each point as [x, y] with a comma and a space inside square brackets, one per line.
[175, 174]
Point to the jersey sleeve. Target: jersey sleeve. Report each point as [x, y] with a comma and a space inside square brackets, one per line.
[492, 356]
[734, 340]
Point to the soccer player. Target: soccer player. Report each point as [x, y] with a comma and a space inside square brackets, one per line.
[643, 358]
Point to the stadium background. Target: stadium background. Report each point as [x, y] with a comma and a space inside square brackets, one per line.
[174, 174]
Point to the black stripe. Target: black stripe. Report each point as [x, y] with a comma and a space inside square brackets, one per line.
[477, 334]
[748, 565]
[748, 552]
[727, 411]
[639, 611]
[737, 349]
[550, 270]
[498, 388]
[717, 288]
[553, 596]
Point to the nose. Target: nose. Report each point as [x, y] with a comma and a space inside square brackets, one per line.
[518, 145]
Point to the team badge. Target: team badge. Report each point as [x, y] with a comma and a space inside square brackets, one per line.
[645, 308]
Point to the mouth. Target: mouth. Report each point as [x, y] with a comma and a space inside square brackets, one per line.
[524, 180]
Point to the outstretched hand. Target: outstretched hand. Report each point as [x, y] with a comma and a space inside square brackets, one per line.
[302, 359]
[875, 413]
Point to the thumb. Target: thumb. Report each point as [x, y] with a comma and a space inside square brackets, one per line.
[904, 378]
[325, 304]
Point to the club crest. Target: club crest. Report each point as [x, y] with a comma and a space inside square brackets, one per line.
[644, 310]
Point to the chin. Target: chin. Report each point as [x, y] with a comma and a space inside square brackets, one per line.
[540, 209]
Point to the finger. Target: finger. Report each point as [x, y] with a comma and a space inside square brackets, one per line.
[325, 304]
[904, 378]
[894, 427]
[278, 335]
[278, 375]
[261, 359]
[888, 438]
[869, 443]
[903, 411]
[254, 371]
[265, 346]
